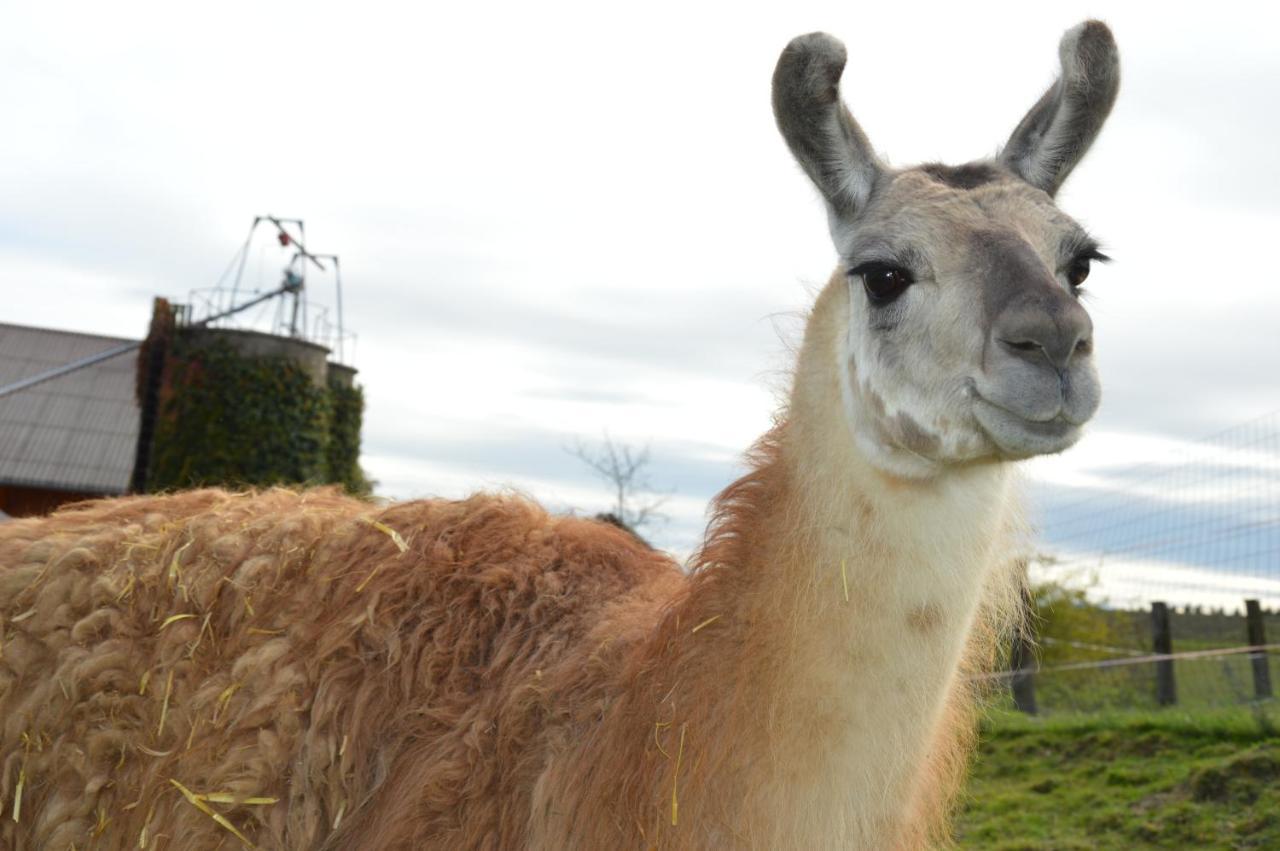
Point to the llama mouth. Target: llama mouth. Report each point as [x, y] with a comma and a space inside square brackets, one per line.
[1017, 437]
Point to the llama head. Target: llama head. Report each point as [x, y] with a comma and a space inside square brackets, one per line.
[964, 337]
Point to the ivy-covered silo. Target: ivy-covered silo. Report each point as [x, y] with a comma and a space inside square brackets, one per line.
[242, 408]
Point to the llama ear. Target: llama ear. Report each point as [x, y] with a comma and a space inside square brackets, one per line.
[822, 135]
[1062, 125]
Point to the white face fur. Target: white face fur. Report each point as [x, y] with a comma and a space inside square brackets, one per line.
[965, 340]
[986, 352]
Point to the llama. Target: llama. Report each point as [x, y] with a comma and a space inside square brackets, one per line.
[304, 670]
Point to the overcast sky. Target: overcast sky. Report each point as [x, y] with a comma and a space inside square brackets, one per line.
[557, 221]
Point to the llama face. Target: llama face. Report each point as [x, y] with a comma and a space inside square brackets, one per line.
[965, 338]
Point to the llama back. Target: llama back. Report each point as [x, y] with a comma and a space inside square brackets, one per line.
[298, 668]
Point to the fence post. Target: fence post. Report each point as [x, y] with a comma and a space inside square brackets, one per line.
[1257, 636]
[1166, 688]
[1022, 664]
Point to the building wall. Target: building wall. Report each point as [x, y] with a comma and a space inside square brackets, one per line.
[18, 501]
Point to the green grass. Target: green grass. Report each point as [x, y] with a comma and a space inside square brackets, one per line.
[1154, 779]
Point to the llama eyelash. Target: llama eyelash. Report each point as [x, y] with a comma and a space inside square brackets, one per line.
[1082, 246]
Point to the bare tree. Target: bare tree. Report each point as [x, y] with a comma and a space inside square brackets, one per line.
[636, 503]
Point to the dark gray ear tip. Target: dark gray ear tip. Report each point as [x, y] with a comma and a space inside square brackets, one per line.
[811, 61]
[1097, 29]
[1090, 42]
[817, 44]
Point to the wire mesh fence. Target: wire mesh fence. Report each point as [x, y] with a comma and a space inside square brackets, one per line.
[1199, 527]
[1198, 679]
[1160, 582]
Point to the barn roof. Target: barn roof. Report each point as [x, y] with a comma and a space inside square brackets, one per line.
[77, 432]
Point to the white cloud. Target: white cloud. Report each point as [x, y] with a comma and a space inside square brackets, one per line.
[1134, 583]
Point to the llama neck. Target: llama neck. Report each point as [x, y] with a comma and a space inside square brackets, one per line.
[842, 604]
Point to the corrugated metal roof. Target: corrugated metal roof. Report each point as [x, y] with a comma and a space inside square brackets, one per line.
[76, 432]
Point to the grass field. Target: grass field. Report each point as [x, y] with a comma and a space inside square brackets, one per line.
[1153, 779]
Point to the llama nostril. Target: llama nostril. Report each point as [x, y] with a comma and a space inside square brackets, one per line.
[1043, 327]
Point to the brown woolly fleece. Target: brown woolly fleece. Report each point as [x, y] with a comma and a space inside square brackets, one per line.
[280, 646]
[304, 670]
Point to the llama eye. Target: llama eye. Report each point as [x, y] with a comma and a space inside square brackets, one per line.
[883, 282]
[1078, 269]
[1077, 272]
